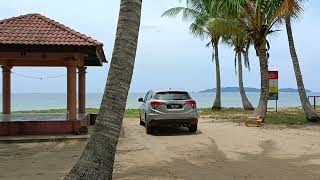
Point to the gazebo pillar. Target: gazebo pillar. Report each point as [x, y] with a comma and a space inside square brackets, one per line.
[82, 89]
[6, 89]
[72, 94]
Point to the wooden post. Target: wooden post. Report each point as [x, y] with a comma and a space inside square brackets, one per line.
[82, 89]
[72, 94]
[6, 89]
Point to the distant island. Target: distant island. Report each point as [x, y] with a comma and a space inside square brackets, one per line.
[249, 89]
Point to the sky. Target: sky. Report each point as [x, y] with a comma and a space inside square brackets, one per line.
[168, 55]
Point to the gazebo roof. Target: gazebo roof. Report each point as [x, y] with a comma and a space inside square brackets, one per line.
[37, 32]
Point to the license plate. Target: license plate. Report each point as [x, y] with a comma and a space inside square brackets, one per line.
[174, 106]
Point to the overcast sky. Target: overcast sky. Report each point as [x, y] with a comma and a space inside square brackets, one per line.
[168, 56]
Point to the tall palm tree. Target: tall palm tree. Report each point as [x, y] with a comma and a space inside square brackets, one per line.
[215, 45]
[199, 12]
[258, 18]
[240, 41]
[234, 35]
[293, 9]
[97, 159]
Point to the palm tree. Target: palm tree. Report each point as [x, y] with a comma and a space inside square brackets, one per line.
[258, 18]
[293, 9]
[97, 159]
[199, 12]
[234, 35]
[215, 45]
[240, 41]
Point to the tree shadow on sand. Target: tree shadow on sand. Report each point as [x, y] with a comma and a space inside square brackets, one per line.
[211, 163]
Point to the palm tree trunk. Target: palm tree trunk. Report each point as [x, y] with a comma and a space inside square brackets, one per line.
[217, 101]
[97, 159]
[310, 113]
[263, 102]
[245, 101]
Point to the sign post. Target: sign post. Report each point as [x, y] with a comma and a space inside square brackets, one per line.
[273, 87]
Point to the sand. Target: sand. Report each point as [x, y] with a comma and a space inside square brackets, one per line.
[219, 150]
[38, 161]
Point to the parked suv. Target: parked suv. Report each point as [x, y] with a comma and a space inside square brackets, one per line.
[168, 108]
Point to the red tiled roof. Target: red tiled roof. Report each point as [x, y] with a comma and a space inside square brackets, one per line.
[35, 29]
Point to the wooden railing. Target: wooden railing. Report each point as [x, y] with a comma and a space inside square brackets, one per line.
[314, 100]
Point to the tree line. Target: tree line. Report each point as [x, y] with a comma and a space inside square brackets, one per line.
[241, 24]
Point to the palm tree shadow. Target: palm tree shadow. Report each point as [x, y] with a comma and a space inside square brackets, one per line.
[211, 163]
[174, 131]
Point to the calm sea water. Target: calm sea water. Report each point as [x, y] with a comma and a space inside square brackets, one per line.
[204, 100]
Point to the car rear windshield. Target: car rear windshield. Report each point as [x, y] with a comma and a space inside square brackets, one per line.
[172, 96]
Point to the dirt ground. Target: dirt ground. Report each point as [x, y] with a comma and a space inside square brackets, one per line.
[219, 150]
[38, 161]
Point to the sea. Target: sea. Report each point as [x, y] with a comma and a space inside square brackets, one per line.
[43, 101]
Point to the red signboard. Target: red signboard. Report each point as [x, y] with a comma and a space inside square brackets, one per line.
[273, 75]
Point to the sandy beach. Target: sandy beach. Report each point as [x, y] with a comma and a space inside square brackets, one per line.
[219, 150]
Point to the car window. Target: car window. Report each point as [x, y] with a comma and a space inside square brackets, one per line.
[172, 96]
[145, 98]
[148, 96]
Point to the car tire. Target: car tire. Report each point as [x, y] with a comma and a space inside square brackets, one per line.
[193, 128]
[141, 122]
[148, 128]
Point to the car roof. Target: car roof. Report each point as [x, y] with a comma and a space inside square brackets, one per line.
[168, 90]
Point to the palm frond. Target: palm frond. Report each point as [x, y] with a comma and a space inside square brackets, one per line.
[187, 13]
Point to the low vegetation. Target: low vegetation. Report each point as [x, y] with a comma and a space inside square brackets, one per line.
[130, 113]
[283, 116]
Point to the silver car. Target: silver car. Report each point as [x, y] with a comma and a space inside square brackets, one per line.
[168, 108]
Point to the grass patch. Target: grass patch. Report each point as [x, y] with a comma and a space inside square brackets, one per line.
[53, 111]
[283, 116]
[228, 114]
[129, 113]
[132, 113]
[49, 111]
[224, 111]
[287, 116]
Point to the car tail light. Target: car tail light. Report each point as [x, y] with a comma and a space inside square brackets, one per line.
[155, 104]
[192, 103]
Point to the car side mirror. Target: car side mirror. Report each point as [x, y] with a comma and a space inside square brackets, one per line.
[140, 99]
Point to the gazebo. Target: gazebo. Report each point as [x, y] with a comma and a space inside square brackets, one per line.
[37, 41]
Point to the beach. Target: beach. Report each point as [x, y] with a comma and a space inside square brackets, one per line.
[179, 90]
[219, 150]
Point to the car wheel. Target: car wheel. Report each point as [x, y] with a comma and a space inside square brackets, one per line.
[193, 128]
[148, 128]
[141, 122]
